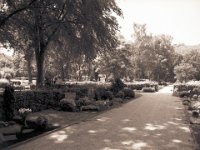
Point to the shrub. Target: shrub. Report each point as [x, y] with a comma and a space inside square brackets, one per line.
[148, 89]
[102, 105]
[116, 101]
[3, 83]
[37, 123]
[68, 104]
[107, 95]
[117, 85]
[103, 94]
[184, 94]
[80, 92]
[128, 93]
[90, 108]
[120, 94]
[38, 99]
[83, 102]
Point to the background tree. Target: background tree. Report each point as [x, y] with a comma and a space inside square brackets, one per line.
[165, 58]
[193, 58]
[117, 63]
[184, 72]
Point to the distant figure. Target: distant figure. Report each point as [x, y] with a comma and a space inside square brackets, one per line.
[8, 103]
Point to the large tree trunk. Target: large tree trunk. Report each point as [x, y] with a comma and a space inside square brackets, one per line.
[62, 73]
[29, 71]
[40, 69]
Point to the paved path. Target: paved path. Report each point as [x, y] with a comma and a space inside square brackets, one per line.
[154, 121]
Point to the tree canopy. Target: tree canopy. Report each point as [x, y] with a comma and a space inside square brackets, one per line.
[86, 26]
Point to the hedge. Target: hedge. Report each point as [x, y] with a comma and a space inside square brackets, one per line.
[38, 100]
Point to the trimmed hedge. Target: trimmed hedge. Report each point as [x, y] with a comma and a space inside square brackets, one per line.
[182, 90]
[38, 100]
[148, 89]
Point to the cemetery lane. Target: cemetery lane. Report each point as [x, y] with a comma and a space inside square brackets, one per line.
[154, 121]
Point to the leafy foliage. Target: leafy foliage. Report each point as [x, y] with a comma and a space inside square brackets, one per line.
[185, 72]
[86, 26]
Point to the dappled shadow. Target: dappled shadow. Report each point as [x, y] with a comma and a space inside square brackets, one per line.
[59, 136]
[103, 119]
[129, 129]
[149, 136]
[153, 127]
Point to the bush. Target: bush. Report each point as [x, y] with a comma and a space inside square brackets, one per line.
[120, 94]
[107, 95]
[148, 89]
[102, 105]
[38, 100]
[37, 123]
[128, 93]
[80, 92]
[117, 85]
[184, 94]
[83, 102]
[103, 94]
[90, 108]
[116, 101]
[67, 104]
[3, 83]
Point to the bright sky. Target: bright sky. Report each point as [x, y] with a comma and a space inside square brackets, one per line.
[178, 18]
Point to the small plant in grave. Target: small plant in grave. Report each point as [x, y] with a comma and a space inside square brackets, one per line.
[23, 112]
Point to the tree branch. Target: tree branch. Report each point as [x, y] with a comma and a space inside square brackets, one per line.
[3, 21]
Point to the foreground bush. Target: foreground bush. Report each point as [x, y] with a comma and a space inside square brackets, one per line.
[67, 104]
[128, 93]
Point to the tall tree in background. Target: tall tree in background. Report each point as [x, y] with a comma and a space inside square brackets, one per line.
[184, 72]
[193, 58]
[165, 57]
[88, 26]
[144, 54]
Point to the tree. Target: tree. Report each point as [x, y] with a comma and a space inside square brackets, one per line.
[153, 55]
[144, 54]
[165, 58]
[117, 63]
[87, 25]
[193, 58]
[184, 72]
